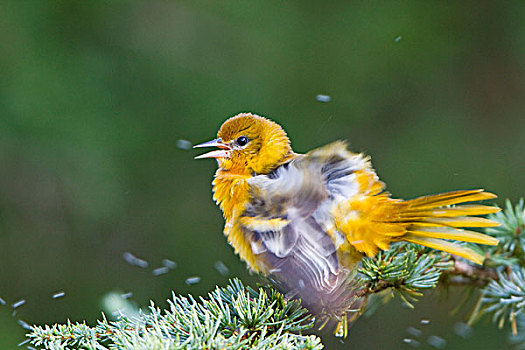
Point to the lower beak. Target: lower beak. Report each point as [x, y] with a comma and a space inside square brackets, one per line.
[221, 153]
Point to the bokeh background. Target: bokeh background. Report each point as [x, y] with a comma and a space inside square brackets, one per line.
[95, 95]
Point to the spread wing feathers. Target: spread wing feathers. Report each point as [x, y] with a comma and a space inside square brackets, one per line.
[371, 223]
[286, 221]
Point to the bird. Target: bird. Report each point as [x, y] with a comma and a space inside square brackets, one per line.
[306, 221]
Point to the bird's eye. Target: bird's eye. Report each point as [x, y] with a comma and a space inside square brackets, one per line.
[242, 140]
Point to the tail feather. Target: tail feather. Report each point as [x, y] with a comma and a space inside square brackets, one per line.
[446, 246]
[460, 221]
[452, 233]
[429, 221]
[449, 198]
[370, 223]
[460, 210]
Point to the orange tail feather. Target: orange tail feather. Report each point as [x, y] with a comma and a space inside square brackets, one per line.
[429, 221]
[370, 223]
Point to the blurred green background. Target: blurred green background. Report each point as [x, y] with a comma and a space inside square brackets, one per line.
[95, 95]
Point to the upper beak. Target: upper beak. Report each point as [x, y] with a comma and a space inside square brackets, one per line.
[224, 152]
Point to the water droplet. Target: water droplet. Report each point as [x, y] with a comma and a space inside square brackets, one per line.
[221, 268]
[24, 342]
[436, 342]
[24, 324]
[414, 331]
[126, 295]
[161, 271]
[412, 342]
[183, 144]
[170, 264]
[18, 303]
[2, 301]
[323, 98]
[193, 280]
[424, 321]
[398, 38]
[133, 260]
[462, 329]
[59, 295]
[128, 257]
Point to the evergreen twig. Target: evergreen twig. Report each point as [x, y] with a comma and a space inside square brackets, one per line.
[234, 317]
[239, 317]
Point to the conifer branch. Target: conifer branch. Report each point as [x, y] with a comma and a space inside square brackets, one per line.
[239, 317]
[234, 317]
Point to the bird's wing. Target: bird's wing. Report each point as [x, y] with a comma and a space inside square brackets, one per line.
[287, 220]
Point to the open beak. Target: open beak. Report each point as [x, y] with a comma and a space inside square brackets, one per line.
[224, 152]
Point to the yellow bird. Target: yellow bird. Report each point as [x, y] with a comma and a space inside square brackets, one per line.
[307, 220]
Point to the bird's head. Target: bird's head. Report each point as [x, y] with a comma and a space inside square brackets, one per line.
[248, 144]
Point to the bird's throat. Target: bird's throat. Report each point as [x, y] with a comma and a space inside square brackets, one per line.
[231, 192]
